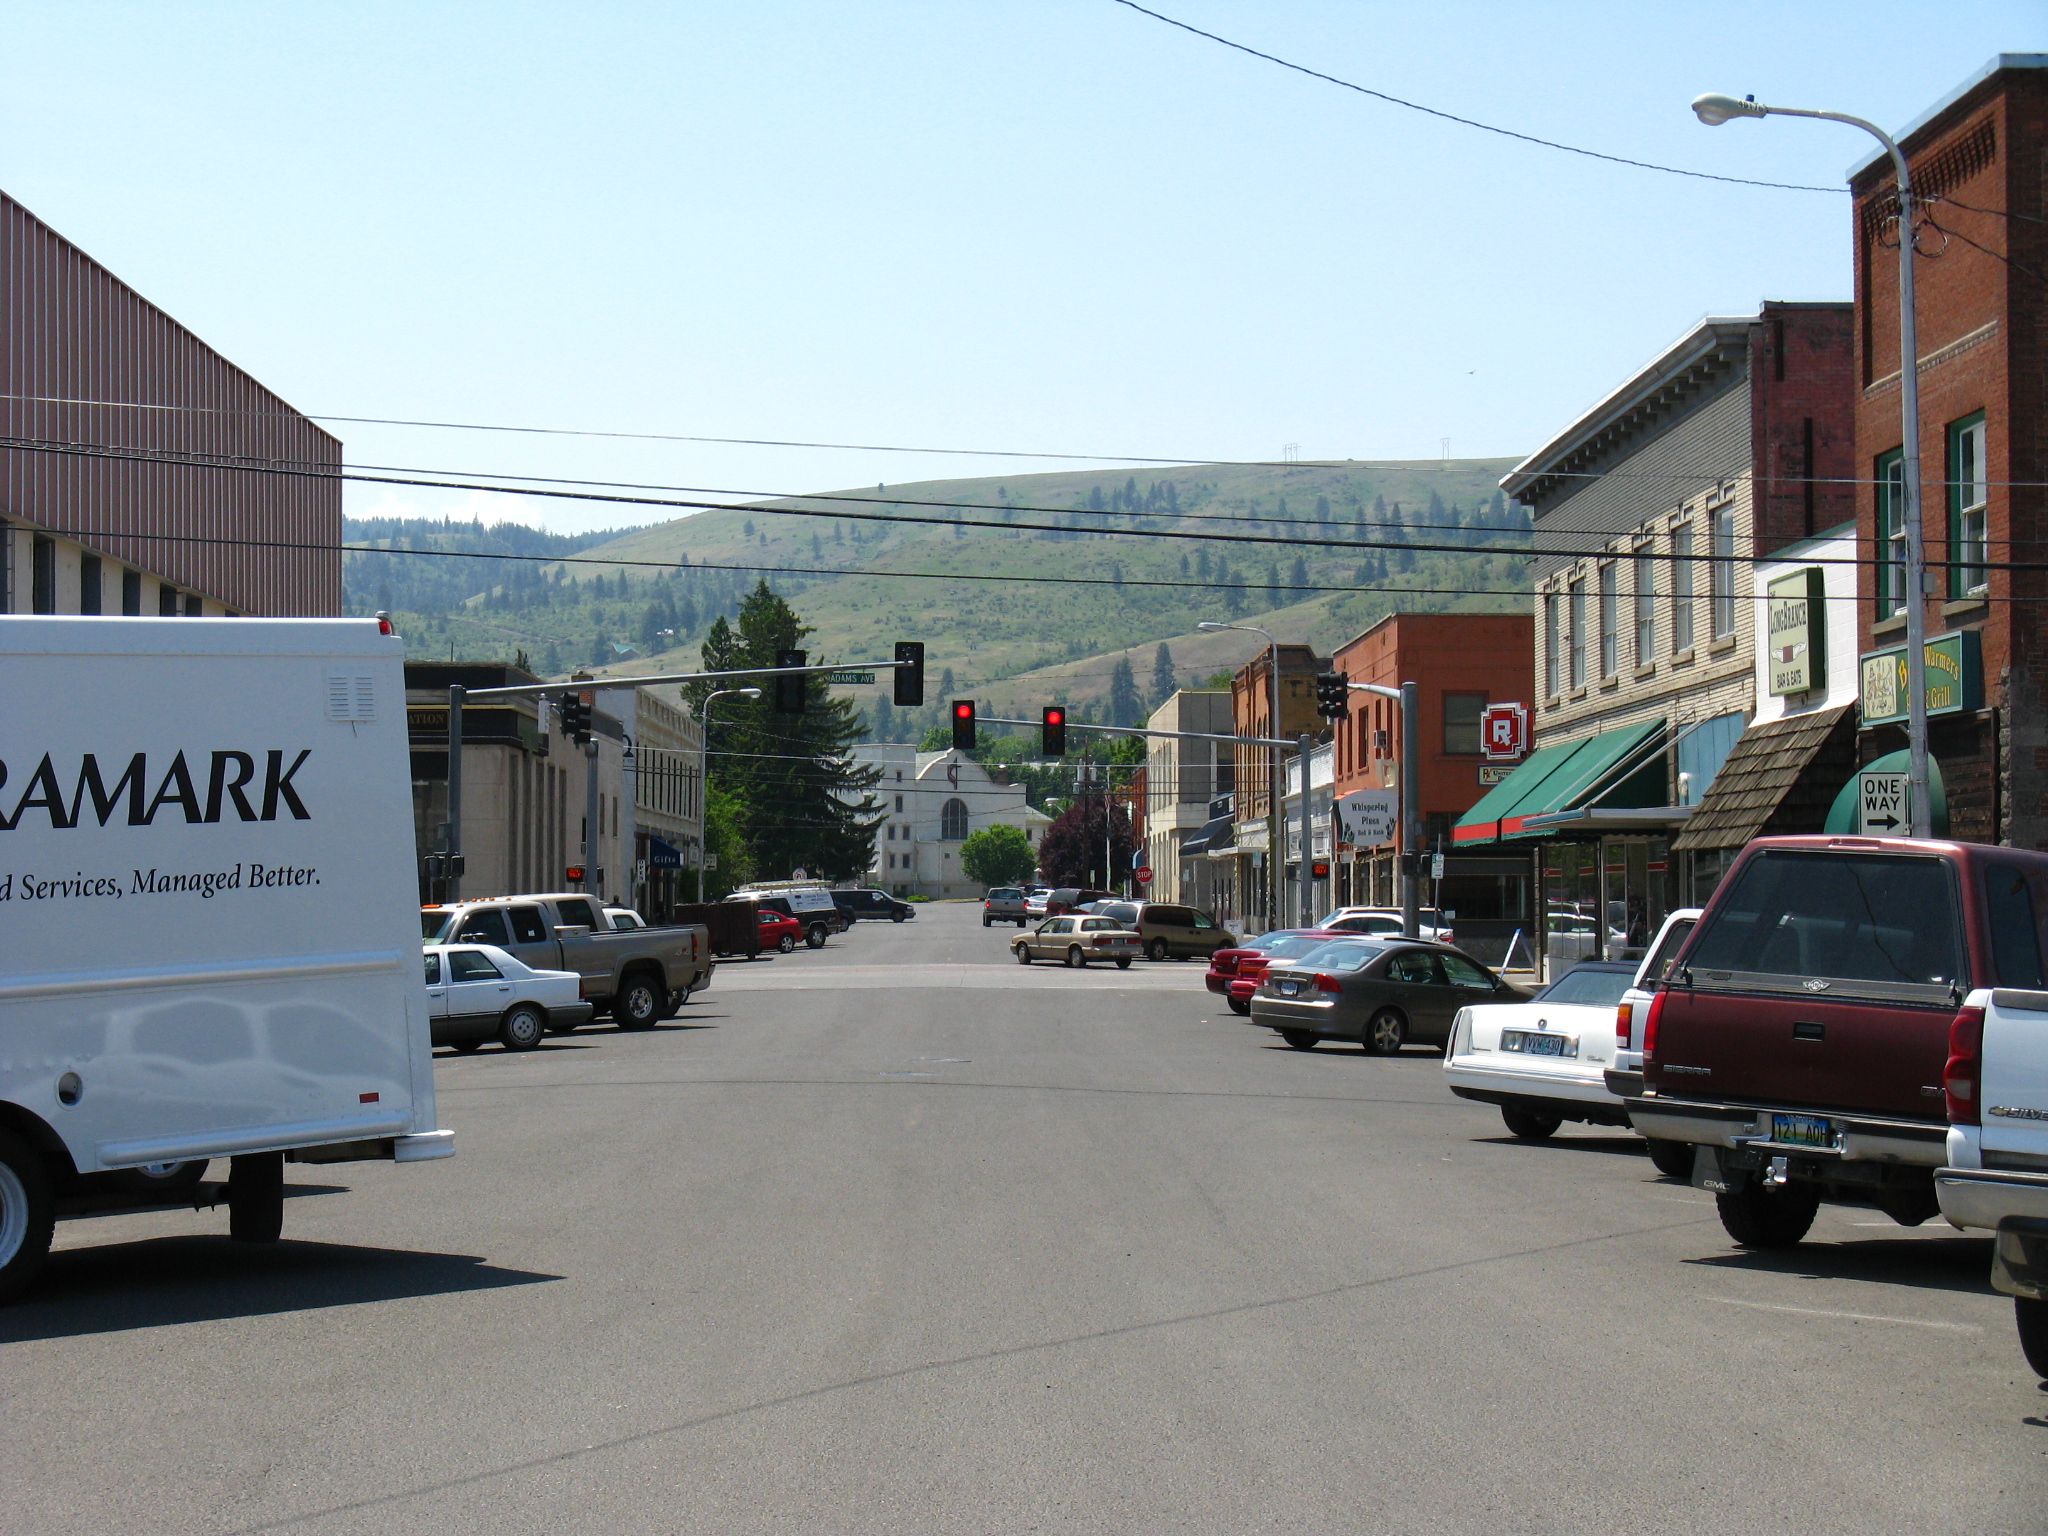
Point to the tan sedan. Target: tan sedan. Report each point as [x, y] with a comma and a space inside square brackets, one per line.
[1077, 939]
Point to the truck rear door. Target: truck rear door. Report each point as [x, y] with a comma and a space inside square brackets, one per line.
[587, 955]
[1820, 978]
[533, 939]
[2013, 1092]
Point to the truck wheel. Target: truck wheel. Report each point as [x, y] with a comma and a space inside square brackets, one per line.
[986, 921]
[815, 936]
[522, 1028]
[1528, 1124]
[1240, 1005]
[1300, 1039]
[2032, 1317]
[256, 1197]
[1387, 1032]
[27, 1217]
[1673, 1159]
[640, 1005]
[1760, 1217]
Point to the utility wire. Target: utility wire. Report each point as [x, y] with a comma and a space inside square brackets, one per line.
[1452, 117]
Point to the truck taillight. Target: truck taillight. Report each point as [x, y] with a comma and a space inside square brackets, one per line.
[1963, 1075]
[1650, 1024]
[1623, 1016]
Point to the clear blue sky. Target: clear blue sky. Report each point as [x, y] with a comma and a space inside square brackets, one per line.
[1056, 225]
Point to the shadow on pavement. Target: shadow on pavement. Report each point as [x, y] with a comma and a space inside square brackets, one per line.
[1931, 1263]
[1621, 1146]
[168, 1280]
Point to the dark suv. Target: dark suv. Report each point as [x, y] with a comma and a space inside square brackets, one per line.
[856, 905]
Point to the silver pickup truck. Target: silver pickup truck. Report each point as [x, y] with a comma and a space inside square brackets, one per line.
[638, 975]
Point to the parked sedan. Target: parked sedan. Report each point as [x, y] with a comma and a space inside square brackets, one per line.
[1387, 921]
[1383, 993]
[478, 992]
[779, 930]
[1545, 1061]
[1077, 940]
[1234, 972]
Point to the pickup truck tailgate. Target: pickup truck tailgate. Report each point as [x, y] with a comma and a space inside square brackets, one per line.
[1871, 1056]
[2015, 1079]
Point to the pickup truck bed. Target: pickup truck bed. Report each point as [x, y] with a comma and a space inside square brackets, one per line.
[638, 975]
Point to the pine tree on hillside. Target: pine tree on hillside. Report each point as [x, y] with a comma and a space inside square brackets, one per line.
[1126, 707]
[1164, 676]
[1300, 575]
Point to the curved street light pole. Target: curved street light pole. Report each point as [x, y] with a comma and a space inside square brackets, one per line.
[703, 775]
[1275, 839]
[1714, 110]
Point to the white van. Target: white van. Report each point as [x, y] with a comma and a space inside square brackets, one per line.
[209, 913]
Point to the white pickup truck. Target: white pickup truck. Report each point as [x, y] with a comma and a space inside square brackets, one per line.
[206, 906]
[640, 975]
[1996, 1086]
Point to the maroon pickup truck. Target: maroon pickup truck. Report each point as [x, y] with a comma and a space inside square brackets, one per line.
[1800, 1039]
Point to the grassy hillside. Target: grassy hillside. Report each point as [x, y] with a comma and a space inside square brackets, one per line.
[1017, 643]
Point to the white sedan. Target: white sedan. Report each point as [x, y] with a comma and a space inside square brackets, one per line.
[1378, 921]
[1544, 1061]
[478, 992]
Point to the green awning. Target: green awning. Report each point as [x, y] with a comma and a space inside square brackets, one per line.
[1562, 778]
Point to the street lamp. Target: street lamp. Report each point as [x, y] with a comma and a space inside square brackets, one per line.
[1714, 110]
[1276, 856]
[704, 770]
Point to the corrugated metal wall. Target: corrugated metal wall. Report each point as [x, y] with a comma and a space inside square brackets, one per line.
[70, 329]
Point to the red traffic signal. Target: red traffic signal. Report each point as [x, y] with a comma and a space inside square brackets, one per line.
[1054, 729]
[963, 725]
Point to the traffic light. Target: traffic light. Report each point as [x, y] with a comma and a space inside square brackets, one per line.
[1333, 695]
[910, 679]
[963, 725]
[790, 687]
[573, 710]
[1055, 731]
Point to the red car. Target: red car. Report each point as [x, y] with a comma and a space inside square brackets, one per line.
[1236, 973]
[779, 931]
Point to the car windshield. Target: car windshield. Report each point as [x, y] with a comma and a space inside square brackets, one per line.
[1340, 955]
[1594, 988]
[1293, 944]
[431, 924]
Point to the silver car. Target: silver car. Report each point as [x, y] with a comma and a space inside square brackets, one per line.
[1382, 993]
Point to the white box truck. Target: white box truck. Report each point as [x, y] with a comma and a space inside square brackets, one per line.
[209, 917]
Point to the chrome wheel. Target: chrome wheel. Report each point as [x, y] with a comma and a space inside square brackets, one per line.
[1383, 1037]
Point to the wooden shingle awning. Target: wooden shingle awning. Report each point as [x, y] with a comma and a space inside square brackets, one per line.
[1780, 778]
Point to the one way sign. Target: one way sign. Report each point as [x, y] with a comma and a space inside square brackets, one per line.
[1881, 804]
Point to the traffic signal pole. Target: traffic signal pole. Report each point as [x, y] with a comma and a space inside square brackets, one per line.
[452, 890]
[1307, 872]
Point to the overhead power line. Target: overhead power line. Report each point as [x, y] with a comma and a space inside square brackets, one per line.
[1467, 122]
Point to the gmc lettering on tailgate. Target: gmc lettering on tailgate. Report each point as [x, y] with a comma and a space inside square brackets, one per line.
[229, 786]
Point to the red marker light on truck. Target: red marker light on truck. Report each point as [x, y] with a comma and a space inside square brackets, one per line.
[1963, 1076]
[1650, 1024]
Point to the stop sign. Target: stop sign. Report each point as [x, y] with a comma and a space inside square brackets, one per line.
[1142, 874]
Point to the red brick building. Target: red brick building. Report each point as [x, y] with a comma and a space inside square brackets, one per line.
[1979, 162]
[1462, 662]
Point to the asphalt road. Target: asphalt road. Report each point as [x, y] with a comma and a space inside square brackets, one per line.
[900, 1237]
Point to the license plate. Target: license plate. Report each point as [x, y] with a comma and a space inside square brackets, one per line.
[1802, 1131]
[1289, 988]
[1538, 1045]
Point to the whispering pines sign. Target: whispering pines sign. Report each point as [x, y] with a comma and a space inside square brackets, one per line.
[225, 786]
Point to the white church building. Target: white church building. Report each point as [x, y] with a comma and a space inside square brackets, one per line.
[931, 801]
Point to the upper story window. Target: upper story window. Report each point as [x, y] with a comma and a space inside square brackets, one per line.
[1969, 508]
[1681, 588]
[1721, 569]
[1646, 610]
[1610, 621]
[1891, 533]
[1577, 642]
[1550, 639]
[1461, 723]
[953, 822]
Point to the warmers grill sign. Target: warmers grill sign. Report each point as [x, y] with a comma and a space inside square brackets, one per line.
[210, 787]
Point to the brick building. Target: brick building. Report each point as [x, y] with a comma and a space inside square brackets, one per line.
[1250, 876]
[1461, 662]
[1980, 177]
[1649, 512]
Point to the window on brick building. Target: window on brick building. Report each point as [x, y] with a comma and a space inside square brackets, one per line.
[1461, 723]
[1721, 569]
[1891, 533]
[1577, 619]
[1969, 508]
[1681, 588]
[1646, 611]
[1550, 638]
[1610, 622]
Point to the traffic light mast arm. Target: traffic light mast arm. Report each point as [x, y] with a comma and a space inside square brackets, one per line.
[1139, 730]
[534, 690]
[1378, 690]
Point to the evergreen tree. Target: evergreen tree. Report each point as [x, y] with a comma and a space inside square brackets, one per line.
[1126, 706]
[1163, 676]
[1300, 575]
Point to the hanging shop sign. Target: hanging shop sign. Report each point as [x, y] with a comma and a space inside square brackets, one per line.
[1504, 732]
[1795, 619]
[1955, 678]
